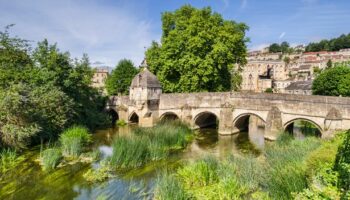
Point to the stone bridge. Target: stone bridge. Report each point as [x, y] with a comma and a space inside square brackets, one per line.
[146, 105]
[231, 111]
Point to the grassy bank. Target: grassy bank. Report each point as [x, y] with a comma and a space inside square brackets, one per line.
[287, 169]
[149, 144]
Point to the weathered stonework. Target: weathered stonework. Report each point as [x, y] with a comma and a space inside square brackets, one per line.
[276, 111]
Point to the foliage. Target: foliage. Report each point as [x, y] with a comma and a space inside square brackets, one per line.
[100, 174]
[335, 44]
[25, 112]
[73, 140]
[121, 122]
[268, 90]
[329, 63]
[236, 80]
[169, 188]
[283, 48]
[286, 169]
[198, 51]
[42, 92]
[9, 159]
[342, 163]
[201, 173]
[120, 79]
[149, 144]
[50, 158]
[333, 82]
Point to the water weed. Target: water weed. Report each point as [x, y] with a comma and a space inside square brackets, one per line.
[168, 187]
[9, 159]
[50, 158]
[73, 140]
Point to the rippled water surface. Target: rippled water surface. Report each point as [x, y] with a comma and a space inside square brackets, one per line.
[28, 181]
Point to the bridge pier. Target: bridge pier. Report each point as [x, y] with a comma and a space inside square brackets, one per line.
[274, 125]
[225, 119]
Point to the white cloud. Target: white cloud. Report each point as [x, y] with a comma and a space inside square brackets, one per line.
[106, 34]
[282, 35]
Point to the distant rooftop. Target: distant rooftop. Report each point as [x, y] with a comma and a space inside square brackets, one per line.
[300, 85]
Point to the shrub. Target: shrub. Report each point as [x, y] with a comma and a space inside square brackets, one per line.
[73, 140]
[342, 163]
[50, 158]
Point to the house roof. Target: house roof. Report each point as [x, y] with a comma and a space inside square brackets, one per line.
[300, 85]
[145, 79]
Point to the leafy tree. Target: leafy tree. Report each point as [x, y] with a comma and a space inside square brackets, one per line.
[332, 82]
[285, 47]
[335, 44]
[329, 63]
[268, 90]
[42, 92]
[198, 51]
[121, 77]
[275, 48]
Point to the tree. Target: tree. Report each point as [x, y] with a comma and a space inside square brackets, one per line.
[120, 79]
[275, 48]
[332, 82]
[42, 92]
[335, 44]
[285, 47]
[198, 51]
[329, 63]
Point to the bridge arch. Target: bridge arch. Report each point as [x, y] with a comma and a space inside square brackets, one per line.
[113, 114]
[206, 119]
[169, 116]
[288, 126]
[133, 118]
[241, 122]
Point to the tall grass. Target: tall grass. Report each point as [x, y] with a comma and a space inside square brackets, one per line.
[8, 159]
[168, 187]
[73, 140]
[149, 144]
[286, 170]
[50, 158]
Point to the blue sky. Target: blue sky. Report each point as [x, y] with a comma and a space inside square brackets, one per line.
[109, 30]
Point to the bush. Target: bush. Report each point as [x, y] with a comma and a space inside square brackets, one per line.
[73, 141]
[50, 158]
[121, 123]
[342, 163]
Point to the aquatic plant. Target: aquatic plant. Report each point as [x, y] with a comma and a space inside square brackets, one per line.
[50, 158]
[8, 159]
[200, 173]
[98, 175]
[73, 140]
[149, 144]
[168, 187]
[130, 152]
[121, 122]
[285, 171]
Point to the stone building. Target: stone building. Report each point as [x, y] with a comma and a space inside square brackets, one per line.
[299, 87]
[99, 79]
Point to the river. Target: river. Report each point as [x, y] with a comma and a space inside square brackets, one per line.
[28, 181]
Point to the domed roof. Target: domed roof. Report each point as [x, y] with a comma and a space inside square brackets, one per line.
[145, 79]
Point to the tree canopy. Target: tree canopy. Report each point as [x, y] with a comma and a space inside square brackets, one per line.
[198, 51]
[333, 82]
[120, 79]
[335, 44]
[284, 47]
[43, 91]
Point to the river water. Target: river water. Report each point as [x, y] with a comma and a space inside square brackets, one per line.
[28, 181]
